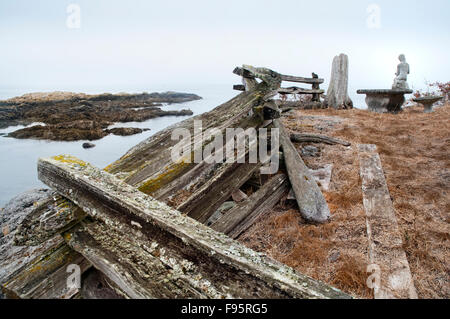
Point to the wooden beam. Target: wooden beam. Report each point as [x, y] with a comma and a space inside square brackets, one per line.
[296, 90]
[289, 78]
[299, 79]
[207, 199]
[310, 200]
[52, 216]
[385, 239]
[151, 159]
[244, 215]
[46, 277]
[133, 225]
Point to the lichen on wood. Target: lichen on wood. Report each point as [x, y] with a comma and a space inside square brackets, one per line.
[122, 208]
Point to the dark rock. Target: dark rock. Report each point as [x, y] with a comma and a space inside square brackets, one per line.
[74, 117]
[88, 145]
[125, 131]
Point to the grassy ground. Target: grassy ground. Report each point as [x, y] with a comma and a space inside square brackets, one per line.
[415, 153]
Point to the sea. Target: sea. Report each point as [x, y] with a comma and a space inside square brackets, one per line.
[18, 158]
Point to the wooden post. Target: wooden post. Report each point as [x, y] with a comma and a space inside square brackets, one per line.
[385, 240]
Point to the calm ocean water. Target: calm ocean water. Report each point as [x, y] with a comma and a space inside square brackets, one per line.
[18, 158]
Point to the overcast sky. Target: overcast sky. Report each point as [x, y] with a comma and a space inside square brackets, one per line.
[148, 43]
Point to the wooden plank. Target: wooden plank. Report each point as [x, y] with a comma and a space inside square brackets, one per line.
[208, 198]
[194, 254]
[240, 218]
[52, 216]
[289, 78]
[46, 277]
[299, 79]
[385, 239]
[310, 200]
[151, 159]
[296, 90]
[133, 265]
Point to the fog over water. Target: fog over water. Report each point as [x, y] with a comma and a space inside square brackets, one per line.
[18, 158]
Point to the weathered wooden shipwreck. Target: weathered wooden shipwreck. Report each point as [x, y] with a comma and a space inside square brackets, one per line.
[148, 227]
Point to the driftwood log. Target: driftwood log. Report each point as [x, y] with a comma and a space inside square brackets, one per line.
[310, 200]
[315, 138]
[150, 250]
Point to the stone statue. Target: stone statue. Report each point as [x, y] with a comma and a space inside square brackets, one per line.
[400, 82]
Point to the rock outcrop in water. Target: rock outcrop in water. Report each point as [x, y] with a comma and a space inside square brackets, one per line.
[72, 117]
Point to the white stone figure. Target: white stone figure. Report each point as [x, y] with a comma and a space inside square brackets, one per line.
[400, 82]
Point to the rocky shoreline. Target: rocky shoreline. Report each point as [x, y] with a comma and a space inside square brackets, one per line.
[72, 117]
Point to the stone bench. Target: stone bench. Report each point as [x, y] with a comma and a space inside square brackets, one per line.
[427, 102]
[385, 101]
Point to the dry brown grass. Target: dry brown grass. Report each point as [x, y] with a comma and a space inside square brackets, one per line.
[415, 153]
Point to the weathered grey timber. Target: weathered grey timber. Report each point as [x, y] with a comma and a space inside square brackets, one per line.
[315, 138]
[38, 271]
[146, 248]
[427, 102]
[149, 168]
[288, 78]
[337, 94]
[385, 239]
[311, 203]
[384, 101]
[148, 165]
[206, 200]
[51, 216]
[240, 218]
[297, 90]
[46, 277]
[249, 74]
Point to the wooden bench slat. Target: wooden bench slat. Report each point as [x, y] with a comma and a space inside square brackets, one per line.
[296, 90]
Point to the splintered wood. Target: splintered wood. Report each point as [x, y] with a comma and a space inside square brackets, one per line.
[146, 249]
[149, 250]
[385, 241]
